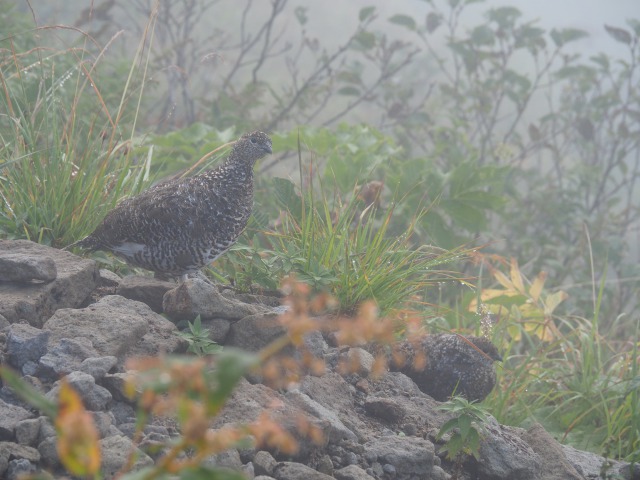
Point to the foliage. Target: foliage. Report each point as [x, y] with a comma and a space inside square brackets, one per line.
[198, 339]
[63, 163]
[465, 429]
[568, 373]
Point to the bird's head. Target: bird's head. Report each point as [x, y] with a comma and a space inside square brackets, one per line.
[487, 347]
[252, 147]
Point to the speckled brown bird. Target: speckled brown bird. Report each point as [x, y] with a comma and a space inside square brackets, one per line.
[177, 227]
[452, 366]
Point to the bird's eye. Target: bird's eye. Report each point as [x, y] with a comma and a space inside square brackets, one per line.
[253, 140]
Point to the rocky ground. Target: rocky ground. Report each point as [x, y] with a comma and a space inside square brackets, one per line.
[60, 316]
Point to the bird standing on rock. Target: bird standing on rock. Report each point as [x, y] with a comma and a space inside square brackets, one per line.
[177, 227]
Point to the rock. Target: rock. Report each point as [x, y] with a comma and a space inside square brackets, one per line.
[122, 412]
[19, 455]
[160, 339]
[49, 452]
[218, 329]
[10, 416]
[18, 468]
[504, 455]
[352, 472]
[555, 465]
[297, 471]
[116, 383]
[385, 409]
[114, 324]
[255, 332]
[325, 465]
[98, 367]
[411, 457]
[108, 278]
[94, 397]
[47, 430]
[115, 453]
[334, 430]
[66, 356]
[36, 302]
[334, 393]
[103, 422]
[315, 344]
[357, 360]
[20, 267]
[591, 465]
[4, 323]
[25, 343]
[28, 431]
[264, 463]
[197, 297]
[228, 459]
[10, 396]
[147, 290]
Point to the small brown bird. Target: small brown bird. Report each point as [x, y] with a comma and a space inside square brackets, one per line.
[177, 227]
[452, 366]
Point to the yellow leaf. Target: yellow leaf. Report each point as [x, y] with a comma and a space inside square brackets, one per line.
[516, 276]
[503, 280]
[536, 286]
[553, 300]
[78, 446]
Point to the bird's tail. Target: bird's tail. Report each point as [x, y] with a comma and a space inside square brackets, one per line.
[87, 243]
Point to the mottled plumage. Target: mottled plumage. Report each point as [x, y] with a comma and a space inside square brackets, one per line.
[177, 227]
[452, 365]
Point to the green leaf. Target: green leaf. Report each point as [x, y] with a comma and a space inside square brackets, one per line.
[566, 35]
[473, 443]
[504, 16]
[365, 40]
[349, 91]
[449, 425]
[301, 14]
[404, 20]
[482, 35]
[366, 12]
[619, 34]
[464, 424]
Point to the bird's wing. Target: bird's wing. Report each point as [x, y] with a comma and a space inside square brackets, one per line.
[160, 211]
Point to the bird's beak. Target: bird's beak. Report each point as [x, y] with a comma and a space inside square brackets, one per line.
[267, 149]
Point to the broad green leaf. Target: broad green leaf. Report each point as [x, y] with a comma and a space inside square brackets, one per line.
[482, 35]
[619, 34]
[464, 424]
[366, 12]
[566, 35]
[365, 40]
[404, 20]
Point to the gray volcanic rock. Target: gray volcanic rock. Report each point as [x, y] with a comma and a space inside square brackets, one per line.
[20, 267]
[10, 416]
[196, 297]
[114, 324]
[147, 290]
[25, 343]
[36, 302]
